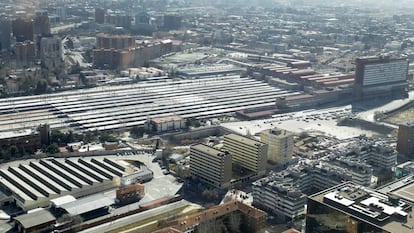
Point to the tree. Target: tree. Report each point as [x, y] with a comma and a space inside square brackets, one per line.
[41, 86]
[137, 131]
[106, 137]
[52, 148]
[57, 137]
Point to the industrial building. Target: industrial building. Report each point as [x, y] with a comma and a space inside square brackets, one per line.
[405, 142]
[380, 76]
[246, 152]
[280, 144]
[351, 208]
[36, 183]
[125, 106]
[210, 165]
[167, 123]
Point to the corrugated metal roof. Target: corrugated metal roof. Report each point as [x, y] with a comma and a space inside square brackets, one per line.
[87, 204]
[35, 218]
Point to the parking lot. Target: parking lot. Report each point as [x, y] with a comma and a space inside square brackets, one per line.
[314, 120]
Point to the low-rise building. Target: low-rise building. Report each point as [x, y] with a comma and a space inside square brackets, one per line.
[167, 123]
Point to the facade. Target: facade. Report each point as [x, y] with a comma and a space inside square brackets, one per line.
[131, 193]
[100, 15]
[279, 197]
[121, 51]
[28, 141]
[23, 30]
[25, 53]
[51, 52]
[41, 24]
[248, 153]
[44, 132]
[280, 144]
[350, 208]
[405, 142]
[5, 34]
[172, 22]
[211, 166]
[119, 20]
[106, 41]
[283, 193]
[254, 218]
[380, 76]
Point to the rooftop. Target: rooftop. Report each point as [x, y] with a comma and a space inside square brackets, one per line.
[160, 120]
[208, 150]
[89, 203]
[246, 140]
[383, 211]
[35, 218]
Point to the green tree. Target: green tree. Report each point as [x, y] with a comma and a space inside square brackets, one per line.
[57, 137]
[52, 148]
[106, 137]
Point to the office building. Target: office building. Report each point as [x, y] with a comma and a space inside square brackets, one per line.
[23, 30]
[380, 76]
[351, 208]
[25, 53]
[61, 12]
[44, 132]
[121, 51]
[210, 166]
[172, 22]
[405, 142]
[106, 41]
[100, 15]
[142, 18]
[51, 52]
[5, 34]
[280, 143]
[41, 23]
[248, 153]
[119, 20]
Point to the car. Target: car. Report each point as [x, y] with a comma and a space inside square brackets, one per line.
[165, 172]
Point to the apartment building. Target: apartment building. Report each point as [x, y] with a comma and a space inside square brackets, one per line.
[280, 145]
[247, 152]
[210, 165]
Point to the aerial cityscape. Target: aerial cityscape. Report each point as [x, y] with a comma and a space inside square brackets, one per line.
[228, 116]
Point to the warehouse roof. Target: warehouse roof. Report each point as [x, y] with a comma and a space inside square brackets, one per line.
[87, 204]
[35, 218]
